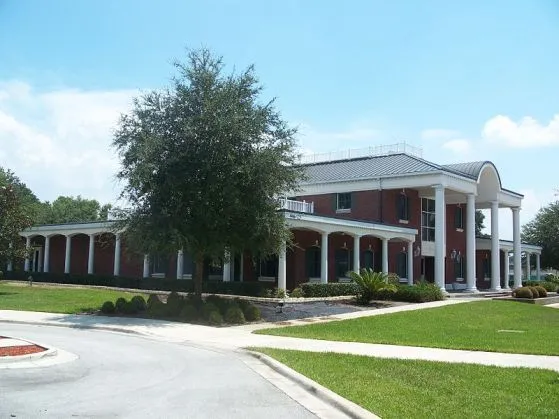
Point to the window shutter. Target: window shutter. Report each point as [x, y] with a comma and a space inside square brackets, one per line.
[398, 207]
[334, 202]
[351, 199]
[457, 217]
[408, 208]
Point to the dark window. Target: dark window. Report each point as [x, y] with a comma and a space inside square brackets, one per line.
[343, 263]
[159, 264]
[269, 267]
[368, 260]
[215, 267]
[458, 218]
[402, 206]
[313, 262]
[343, 201]
[427, 220]
[487, 268]
[402, 265]
[459, 268]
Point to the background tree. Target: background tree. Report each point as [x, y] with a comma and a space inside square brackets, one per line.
[30, 204]
[480, 219]
[13, 220]
[203, 163]
[68, 209]
[543, 230]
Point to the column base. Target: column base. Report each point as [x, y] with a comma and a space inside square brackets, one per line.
[471, 290]
[496, 289]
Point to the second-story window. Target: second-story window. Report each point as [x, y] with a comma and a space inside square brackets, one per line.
[402, 207]
[428, 220]
[458, 218]
[343, 202]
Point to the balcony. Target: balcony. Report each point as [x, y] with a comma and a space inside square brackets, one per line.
[296, 206]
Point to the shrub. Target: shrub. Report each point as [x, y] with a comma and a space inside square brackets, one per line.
[174, 304]
[331, 289]
[108, 307]
[420, 293]
[552, 278]
[152, 299]
[189, 313]
[194, 300]
[252, 313]
[129, 308]
[372, 283]
[523, 292]
[297, 293]
[243, 304]
[541, 291]
[157, 308]
[207, 309]
[215, 318]
[535, 293]
[139, 302]
[234, 315]
[119, 305]
[550, 286]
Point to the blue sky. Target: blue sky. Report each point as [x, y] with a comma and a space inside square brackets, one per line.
[468, 80]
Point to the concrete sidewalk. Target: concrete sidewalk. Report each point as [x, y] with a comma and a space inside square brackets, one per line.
[235, 338]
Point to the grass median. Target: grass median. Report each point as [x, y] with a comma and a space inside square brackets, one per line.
[394, 388]
[53, 299]
[495, 326]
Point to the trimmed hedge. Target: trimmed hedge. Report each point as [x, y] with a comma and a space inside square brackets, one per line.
[252, 289]
[523, 292]
[332, 289]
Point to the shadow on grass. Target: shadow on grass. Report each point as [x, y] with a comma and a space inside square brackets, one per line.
[7, 293]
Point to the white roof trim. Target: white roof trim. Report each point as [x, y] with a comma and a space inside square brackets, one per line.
[507, 245]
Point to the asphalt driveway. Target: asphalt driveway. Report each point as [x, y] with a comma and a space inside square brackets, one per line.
[121, 376]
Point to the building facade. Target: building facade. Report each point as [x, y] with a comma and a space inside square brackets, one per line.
[388, 209]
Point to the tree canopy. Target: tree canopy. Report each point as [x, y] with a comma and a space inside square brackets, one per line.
[68, 209]
[203, 163]
[543, 230]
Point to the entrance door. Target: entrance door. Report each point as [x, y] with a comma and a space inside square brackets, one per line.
[428, 268]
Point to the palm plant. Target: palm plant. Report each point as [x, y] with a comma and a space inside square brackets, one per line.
[372, 284]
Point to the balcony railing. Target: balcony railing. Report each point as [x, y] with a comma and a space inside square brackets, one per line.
[297, 206]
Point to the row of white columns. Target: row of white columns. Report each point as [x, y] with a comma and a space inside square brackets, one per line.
[228, 266]
[68, 255]
[282, 258]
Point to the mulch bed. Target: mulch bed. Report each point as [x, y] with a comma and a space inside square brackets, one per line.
[21, 350]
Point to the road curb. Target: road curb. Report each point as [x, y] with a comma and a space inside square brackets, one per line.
[77, 326]
[348, 407]
[49, 352]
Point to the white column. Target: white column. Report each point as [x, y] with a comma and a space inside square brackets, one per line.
[146, 266]
[40, 261]
[282, 268]
[410, 263]
[516, 247]
[385, 256]
[241, 267]
[226, 267]
[471, 243]
[440, 217]
[538, 268]
[27, 246]
[506, 270]
[528, 257]
[91, 256]
[33, 260]
[68, 254]
[232, 276]
[180, 264]
[495, 252]
[356, 253]
[324, 259]
[116, 264]
[46, 263]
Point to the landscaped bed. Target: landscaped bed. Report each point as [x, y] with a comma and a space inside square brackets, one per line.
[394, 388]
[495, 326]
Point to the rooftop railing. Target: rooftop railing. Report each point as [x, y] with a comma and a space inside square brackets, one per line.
[374, 151]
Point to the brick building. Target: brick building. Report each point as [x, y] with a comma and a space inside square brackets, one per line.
[387, 209]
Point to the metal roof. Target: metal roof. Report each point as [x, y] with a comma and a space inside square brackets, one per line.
[471, 169]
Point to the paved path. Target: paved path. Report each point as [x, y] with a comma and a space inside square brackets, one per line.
[129, 376]
[232, 338]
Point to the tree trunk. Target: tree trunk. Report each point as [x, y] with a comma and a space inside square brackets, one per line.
[199, 275]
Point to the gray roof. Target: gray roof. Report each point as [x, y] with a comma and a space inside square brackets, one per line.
[385, 166]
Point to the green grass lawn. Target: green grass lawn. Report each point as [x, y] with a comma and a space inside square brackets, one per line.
[394, 388]
[54, 299]
[496, 326]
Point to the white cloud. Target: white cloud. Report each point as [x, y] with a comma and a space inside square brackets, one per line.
[438, 134]
[458, 146]
[313, 140]
[528, 132]
[58, 142]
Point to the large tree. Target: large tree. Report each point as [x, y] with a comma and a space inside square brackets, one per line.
[69, 209]
[14, 219]
[203, 163]
[30, 204]
[480, 219]
[543, 230]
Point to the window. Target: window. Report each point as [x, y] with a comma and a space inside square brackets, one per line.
[368, 260]
[487, 268]
[343, 202]
[458, 217]
[269, 267]
[428, 220]
[402, 265]
[343, 263]
[159, 264]
[402, 207]
[459, 269]
[313, 262]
